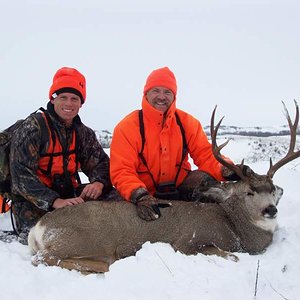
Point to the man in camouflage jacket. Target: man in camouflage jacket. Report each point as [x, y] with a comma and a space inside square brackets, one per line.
[34, 189]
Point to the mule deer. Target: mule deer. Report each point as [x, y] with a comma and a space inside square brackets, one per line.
[89, 237]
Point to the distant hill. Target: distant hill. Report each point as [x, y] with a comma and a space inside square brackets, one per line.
[252, 131]
[105, 136]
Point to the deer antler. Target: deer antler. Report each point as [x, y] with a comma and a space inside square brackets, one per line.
[291, 154]
[216, 149]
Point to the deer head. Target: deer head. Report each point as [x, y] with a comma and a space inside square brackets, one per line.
[259, 191]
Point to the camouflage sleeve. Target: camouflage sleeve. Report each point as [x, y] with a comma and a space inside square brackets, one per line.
[24, 158]
[93, 160]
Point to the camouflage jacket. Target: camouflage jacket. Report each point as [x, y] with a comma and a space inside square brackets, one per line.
[26, 147]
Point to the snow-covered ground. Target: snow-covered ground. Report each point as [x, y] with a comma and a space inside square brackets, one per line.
[157, 272]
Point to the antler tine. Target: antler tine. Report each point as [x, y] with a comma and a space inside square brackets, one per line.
[216, 149]
[291, 125]
[291, 154]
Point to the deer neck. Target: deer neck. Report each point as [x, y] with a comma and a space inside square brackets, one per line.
[253, 239]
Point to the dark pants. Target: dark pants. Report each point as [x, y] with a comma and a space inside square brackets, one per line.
[25, 215]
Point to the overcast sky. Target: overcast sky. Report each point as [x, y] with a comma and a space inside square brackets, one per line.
[243, 56]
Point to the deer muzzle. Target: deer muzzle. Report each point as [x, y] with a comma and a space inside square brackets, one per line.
[270, 211]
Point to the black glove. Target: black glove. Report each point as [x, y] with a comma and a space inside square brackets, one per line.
[230, 175]
[147, 206]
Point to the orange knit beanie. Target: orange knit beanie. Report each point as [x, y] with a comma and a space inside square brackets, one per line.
[68, 80]
[161, 77]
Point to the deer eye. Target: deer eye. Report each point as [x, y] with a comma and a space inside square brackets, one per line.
[250, 194]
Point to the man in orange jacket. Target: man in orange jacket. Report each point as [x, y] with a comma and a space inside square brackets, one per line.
[149, 150]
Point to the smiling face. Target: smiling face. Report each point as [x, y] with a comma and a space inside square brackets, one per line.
[160, 98]
[67, 106]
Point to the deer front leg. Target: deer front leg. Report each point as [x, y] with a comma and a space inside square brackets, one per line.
[85, 265]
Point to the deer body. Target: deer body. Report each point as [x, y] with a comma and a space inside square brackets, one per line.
[112, 230]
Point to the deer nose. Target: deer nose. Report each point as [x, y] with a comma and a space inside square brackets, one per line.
[270, 211]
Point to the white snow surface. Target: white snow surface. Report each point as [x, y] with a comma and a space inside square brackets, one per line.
[158, 272]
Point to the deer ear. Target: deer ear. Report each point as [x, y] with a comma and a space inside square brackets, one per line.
[214, 194]
[278, 193]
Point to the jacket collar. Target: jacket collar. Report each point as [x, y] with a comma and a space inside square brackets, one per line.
[155, 115]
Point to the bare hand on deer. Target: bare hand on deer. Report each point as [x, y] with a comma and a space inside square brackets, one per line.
[59, 203]
[148, 207]
[92, 191]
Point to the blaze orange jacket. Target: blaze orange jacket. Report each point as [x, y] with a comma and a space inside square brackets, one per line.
[162, 150]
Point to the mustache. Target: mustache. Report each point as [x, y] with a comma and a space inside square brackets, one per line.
[162, 101]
